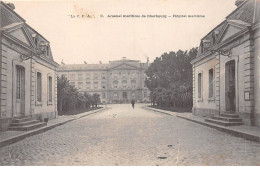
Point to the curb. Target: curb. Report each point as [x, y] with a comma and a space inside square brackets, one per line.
[159, 111]
[226, 130]
[233, 132]
[22, 136]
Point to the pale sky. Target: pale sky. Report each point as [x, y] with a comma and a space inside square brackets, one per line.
[76, 40]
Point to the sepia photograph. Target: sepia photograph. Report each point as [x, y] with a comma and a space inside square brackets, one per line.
[129, 83]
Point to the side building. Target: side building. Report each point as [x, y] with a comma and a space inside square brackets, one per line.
[118, 81]
[28, 72]
[227, 68]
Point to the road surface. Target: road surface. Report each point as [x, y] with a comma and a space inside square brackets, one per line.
[122, 135]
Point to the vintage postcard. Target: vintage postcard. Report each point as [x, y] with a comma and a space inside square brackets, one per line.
[130, 83]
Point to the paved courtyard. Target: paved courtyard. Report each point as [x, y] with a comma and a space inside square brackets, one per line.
[125, 136]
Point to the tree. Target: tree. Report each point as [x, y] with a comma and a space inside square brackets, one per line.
[87, 99]
[70, 99]
[169, 76]
[95, 99]
[62, 89]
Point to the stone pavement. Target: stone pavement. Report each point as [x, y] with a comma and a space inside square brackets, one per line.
[123, 136]
[10, 137]
[247, 132]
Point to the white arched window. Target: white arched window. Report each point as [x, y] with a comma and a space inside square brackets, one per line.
[124, 83]
[115, 95]
[115, 75]
[133, 83]
[133, 95]
[124, 74]
[115, 83]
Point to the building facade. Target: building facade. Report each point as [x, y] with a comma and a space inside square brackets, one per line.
[116, 82]
[28, 73]
[226, 70]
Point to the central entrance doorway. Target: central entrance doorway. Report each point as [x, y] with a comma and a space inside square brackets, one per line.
[124, 95]
[230, 86]
[20, 91]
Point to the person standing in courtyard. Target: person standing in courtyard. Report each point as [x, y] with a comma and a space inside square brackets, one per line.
[231, 96]
[133, 103]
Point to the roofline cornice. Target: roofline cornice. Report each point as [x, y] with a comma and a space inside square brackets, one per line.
[73, 70]
[220, 45]
[20, 43]
[52, 62]
[36, 32]
[124, 63]
[228, 17]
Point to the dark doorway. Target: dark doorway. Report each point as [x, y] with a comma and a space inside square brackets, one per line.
[124, 95]
[230, 86]
[20, 91]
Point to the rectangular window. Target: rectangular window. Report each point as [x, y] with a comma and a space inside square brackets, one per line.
[133, 75]
[72, 76]
[87, 76]
[124, 75]
[50, 88]
[211, 82]
[80, 77]
[39, 87]
[95, 76]
[115, 75]
[115, 95]
[80, 84]
[103, 84]
[199, 85]
[72, 84]
[95, 85]
[88, 85]
[103, 76]
[103, 95]
[124, 84]
[139, 94]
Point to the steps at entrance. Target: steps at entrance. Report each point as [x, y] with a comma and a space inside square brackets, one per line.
[224, 119]
[13, 124]
[19, 120]
[227, 119]
[230, 115]
[223, 123]
[25, 124]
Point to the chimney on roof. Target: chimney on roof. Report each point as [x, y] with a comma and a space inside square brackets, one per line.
[123, 58]
[11, 5]
[85, 62]
[239, 2]
[100, 62]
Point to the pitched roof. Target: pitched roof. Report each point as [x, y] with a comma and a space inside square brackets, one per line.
[125, 60]
[10, 21]
[243, 16]
[110, 65]
[84, 67]
[8, 15]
